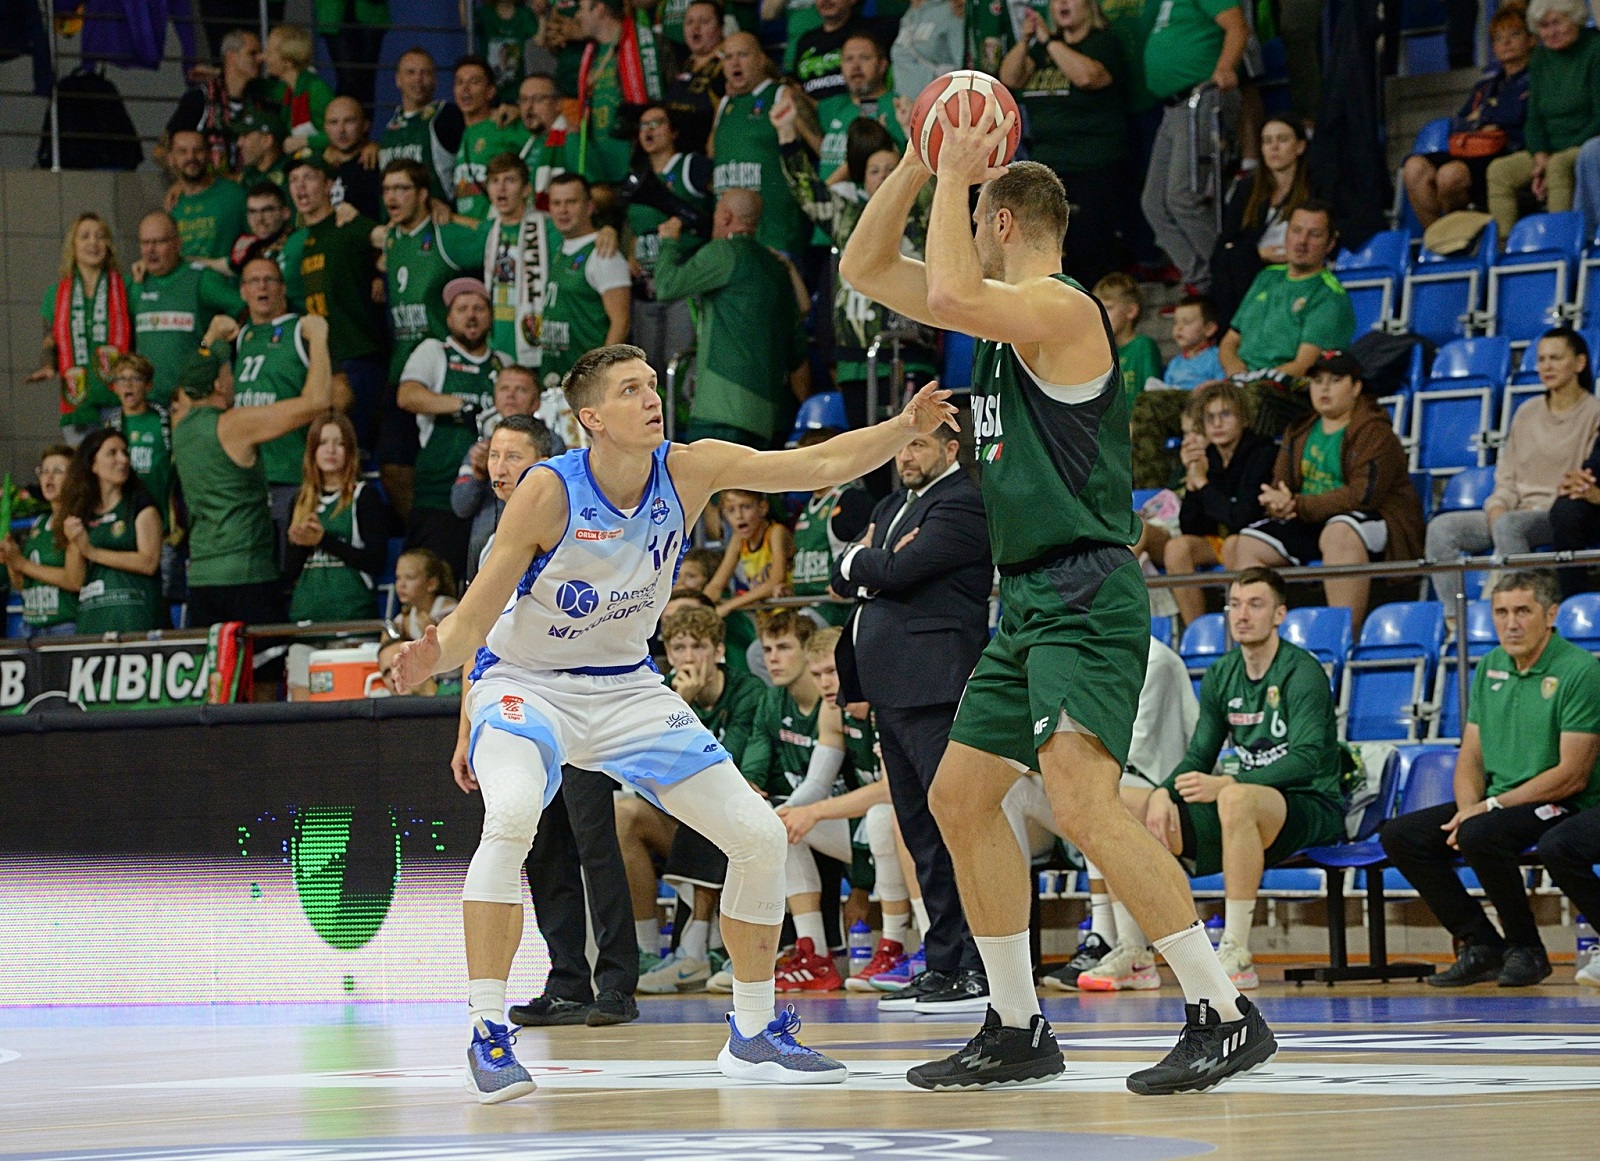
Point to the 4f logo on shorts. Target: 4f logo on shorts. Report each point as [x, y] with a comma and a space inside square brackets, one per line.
[680, 720]
[511, 710]
[1040, 726]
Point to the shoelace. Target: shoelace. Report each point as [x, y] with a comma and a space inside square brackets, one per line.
[782, 1032]
[500, 1038]
[1194, 1043]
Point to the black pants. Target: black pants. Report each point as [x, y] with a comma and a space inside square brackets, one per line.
[913, 742]
[1492, 844]
[1570, 850]
[577, 838]
[1098, 197]
[443, 532]
[1575, 525]
[254, 604]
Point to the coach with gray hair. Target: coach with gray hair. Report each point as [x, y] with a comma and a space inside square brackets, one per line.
[1528, 760]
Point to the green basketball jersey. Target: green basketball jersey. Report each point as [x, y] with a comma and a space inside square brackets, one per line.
[445, 439]
[1055, 471]
[816, 548]
[329, 589]
[838, 112]
[150, 452]
[781, 741]
[747, 156]
[329, 268]
[45, 605]
[231, 541]
[861, 748]
[575, 319]
[409, 136]
[112, 599]
[420, 261]
[480, 144]
[210, 221]
[643, 221]
[170, 314]
[270, 365]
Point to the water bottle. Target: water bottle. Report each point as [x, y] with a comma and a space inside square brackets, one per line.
[666, 939]
[860, 945]
[1588, 944]
[1084, 929]
[1214, 927]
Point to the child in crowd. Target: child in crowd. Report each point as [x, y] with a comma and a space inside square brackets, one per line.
[698, 567]
[758, 557]
[1194, 329]
[425, 588]
[144, 426]
[1137, 355]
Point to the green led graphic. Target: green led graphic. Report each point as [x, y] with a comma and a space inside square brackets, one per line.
[346, 863]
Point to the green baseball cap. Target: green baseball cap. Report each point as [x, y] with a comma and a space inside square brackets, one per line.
[198, 379]
[254, 121]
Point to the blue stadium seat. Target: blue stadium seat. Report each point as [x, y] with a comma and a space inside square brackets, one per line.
[1529, 284]
[1142, 496]
[1459, 405]
[1442, 292]
[1372, 275]
[1324, 632]
[1528, 369]
[1397, 403]
[1161, 630]
[1480, 639]
[1422, 482]
[433, 25]
[1204, 640]
[1434, 137]
[824, 409]
[1579, 621]
[1467, 490]
[1584, 311]
[1390, 672]
[958, 352]
[14, 615]
[1422, 38]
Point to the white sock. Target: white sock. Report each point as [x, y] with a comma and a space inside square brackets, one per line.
[897, 927]
[810, 927]
[716, 931]
[1102, 919]
[920, 910]
[1008, 963]
[486, 1000]
[648, 935]
[1128, 928]
[1190, 956]
[695, 937]
[1240, 917]
[754, 1006]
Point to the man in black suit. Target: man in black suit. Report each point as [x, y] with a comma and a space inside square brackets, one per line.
[922, 576]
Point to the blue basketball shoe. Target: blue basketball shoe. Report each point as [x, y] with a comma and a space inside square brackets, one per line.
[774, 1056]
[493, 1074]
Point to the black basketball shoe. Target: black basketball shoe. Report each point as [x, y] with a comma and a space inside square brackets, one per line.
[996, 1057]
[1210, 1050]
[549, 1011]
[1090, 952]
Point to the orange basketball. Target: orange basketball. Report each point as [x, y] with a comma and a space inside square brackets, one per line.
[962, 85]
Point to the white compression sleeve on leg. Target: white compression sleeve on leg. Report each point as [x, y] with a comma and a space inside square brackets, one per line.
[511, 774]
[820, 772]
[886, 861]
[721, 805]
[800, 874]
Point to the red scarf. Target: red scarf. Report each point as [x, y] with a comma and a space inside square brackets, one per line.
[76, 344]
[630, 69]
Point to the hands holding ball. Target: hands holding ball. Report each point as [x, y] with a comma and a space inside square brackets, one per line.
[965, 127]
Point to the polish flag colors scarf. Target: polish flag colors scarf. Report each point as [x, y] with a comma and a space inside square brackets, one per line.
[88, 335]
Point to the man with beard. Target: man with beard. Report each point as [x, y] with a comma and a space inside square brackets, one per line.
[209, 209]
[545, 130]
[744, 145]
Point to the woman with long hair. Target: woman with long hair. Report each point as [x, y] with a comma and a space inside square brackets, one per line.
[1256, 221]
[48, 574]
[86, 325]
[115, 526]
[696, 84]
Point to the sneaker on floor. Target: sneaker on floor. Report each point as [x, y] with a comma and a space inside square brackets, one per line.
[721, 982]
[1523, 967]
[1090, 952]
[905, 1000]
[1125, 968]
[967, 991]
[612, 1007]
[1476, 963]
[717, 959]
[1237, 963]
[1589, 975]
[996, 1057]
[493, 1073]
[549, 1012]
[774, 1055]
[676, 973]
[884, 958]
[808, 971]
[649, 961]
[1210, 1050]
[906, 969]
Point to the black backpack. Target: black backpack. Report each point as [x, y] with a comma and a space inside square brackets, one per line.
[96, 131]
[1386, 360]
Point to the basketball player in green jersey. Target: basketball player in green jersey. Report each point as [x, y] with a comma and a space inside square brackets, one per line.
[1057, 689]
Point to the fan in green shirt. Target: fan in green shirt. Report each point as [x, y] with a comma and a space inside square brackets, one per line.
[504, 28]
[482, 140]
[330, 267]
[144, 428]
[1072, 86]
[784, 734]
[1292, 313]
[744, 146]
[865, 68]
[725, 700]
[173, 302]
[209, 209]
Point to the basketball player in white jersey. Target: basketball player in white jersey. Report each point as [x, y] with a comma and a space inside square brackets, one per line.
[559, 618]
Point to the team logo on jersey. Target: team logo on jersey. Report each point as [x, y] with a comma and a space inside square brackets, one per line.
[659, 511]
[1243, 719]
[590, 512]
[1547, 687]
[597, 534]
[511, 710]
[575, 598]
[681, 720]
[1272, 696]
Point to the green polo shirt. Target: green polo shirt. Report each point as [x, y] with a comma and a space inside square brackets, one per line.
[1521, 716]
[1184, 44]
[1279, 313]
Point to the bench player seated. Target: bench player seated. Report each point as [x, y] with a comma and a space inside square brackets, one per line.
[841, 810]
[1271, 700]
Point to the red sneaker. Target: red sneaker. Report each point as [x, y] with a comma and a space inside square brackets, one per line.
[888, 953]
[807, 971]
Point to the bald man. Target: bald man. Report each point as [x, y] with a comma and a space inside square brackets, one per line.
[172, 302]
[748, 337]
[356, 178]
[744, 145]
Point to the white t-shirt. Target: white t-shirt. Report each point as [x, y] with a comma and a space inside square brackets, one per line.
[601, 273]
[408, 621]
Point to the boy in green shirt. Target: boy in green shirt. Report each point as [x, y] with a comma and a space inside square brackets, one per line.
[1527, 762]
[1137, 355]
[145, 429]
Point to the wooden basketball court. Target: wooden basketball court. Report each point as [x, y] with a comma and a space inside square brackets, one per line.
[1398, 1071]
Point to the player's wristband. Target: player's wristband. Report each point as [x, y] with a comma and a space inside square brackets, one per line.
[1492, 802]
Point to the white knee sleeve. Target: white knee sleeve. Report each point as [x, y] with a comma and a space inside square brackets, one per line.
[511, 774]
[891, 879]
[800, 874]
[720, 804]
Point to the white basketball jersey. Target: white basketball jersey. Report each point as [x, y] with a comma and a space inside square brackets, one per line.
[590, 604]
